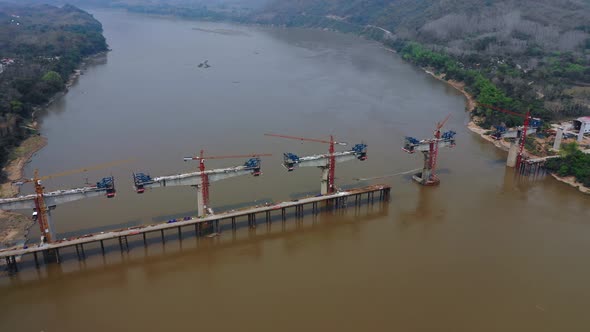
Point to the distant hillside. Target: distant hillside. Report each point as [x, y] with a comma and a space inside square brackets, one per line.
[462, 25]
[536, 53]
[46, 30]
[40, 46]
[532, 54]
[202, 9]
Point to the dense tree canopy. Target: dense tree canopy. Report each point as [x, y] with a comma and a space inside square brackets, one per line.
[40, 46]
[572, 162]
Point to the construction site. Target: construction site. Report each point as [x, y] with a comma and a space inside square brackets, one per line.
[207, 221]
[530, 146]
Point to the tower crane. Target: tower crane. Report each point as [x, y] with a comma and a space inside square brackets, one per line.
[429, 148]
[515, 155]
[43, 202]
[202, 178]
[326, 162]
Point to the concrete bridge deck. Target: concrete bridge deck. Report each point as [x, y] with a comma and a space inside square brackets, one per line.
[337, 200]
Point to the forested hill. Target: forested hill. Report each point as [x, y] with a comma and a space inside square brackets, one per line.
[461, 25]
[40, 46]
[517, 54]
[535, 53]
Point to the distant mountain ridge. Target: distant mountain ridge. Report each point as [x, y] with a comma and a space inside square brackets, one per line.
[558, 24]
[535, 54]
[518, 54]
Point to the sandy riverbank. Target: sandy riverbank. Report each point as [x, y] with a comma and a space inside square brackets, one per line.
[572, 182]
[15, 169]
[501, 144]
[15, 226]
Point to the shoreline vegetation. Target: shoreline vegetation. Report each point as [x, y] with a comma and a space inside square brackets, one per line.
[14, 227]
[47, 45]
[470, 104]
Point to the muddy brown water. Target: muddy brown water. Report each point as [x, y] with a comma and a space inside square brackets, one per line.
[484, 251]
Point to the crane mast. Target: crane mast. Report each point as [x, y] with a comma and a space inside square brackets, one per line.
[332, 167]
[41, 209]
[205, 179]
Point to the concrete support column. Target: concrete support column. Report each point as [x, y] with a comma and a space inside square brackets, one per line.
[200, 204]
[50, 227]
[324, 182]
[513, 154]
[558, 137]
[581, 133]
[426, 171]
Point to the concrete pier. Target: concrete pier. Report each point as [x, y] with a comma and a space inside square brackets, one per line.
[212, 222]
[513, 154]
[558, 138]
[582, 131]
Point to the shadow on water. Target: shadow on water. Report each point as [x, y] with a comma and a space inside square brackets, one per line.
[427, 210]
[497, 162]
[172, 252]
[514, 182]
[439, 171]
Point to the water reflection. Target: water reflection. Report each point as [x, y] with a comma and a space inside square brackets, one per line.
[428, 209]
[229, 246]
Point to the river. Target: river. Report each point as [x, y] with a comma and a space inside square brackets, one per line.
[484, 251]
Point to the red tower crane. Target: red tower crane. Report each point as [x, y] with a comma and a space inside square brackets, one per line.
[434, 146]
[332, 163]
[42, 201]
[429, 148]
[205, 177]
[527, 118]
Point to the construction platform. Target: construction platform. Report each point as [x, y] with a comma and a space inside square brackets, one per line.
[334, 201]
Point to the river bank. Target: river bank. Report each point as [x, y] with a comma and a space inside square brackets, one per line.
[14, 171]
[14, 227]
[471, 103]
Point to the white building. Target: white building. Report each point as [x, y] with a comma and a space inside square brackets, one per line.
[583, 126]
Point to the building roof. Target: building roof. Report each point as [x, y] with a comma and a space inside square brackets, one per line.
[585, 119]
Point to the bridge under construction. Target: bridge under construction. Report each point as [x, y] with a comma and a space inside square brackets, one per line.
[330, 196]
[43, 202]
[339, 200]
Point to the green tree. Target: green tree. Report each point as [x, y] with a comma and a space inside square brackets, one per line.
[563, 170]
[53, 79]
[16, 106]
[569, 149]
